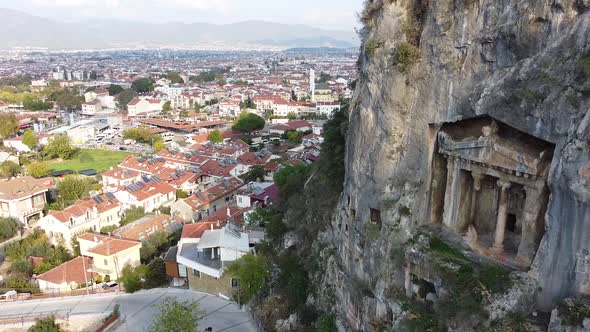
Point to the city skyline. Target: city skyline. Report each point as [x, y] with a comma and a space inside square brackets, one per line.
[329, 14]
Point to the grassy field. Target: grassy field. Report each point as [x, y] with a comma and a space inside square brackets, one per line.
[100, 160]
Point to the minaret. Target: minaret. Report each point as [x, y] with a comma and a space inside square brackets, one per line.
[312, 84]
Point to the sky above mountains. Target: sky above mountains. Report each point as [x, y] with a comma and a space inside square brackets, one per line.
[327, 14]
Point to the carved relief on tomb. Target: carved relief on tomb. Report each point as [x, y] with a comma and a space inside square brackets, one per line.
[491, 187]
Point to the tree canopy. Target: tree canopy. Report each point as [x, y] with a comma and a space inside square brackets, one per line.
[114, 89]
[142, 85]
[8, 228]
[9, 169]
[175, 78]
[215, 136]
[158, 144]
[175, 316]
[38, 169]
[249, 122]
[8, 124]
[125, 97]
[251, 272]
[29, 139]
[142, 134]
[72, 187]
[60, 147]
[167, 107]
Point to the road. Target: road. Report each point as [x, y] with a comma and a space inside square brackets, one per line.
[140, 308]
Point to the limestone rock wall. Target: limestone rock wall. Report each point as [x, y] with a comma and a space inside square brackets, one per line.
[520, 61]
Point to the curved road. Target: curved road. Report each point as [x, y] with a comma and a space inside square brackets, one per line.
[140, 308]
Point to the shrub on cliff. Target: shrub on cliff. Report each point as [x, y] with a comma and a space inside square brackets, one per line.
[406, 56]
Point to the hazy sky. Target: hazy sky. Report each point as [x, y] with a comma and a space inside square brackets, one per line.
[330, 14]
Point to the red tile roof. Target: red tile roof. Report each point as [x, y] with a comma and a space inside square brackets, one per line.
[196, 230]
[71, 271]
[108, 245]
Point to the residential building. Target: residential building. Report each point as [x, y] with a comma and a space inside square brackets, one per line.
[207, 256]
[24, 198]
[17, 143]
[229, 108]
[109, 254]
[142, 228]
[203, 203]
[150, 193]
[257, 194]
[68, 276]
[327, 109]
[91, 107]
[115, 178]
[88, 213]
[82, 134]
[144, 106]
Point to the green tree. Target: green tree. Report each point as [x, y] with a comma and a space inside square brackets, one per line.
[181, 194]
[114, 89]
[291, 116]
[8, 228]
[38, 169]
[60, 147]
[215, 136]
[125, 97]
[159, 144]
[132, 214]
[67, 99]
[175, 78]
[249, 122]
[327, 323]
[29, 139]
[256, 173]
[142, 85]
[131, 278]
[46, 324]
[197, 108]
[167, 107]
[154, 244]
[175, 316]
[294, 136]
[291, 178]
[331, 163]
[9, 169]
[72, 188]
[293, 95]
[8, 124]
[251, 272]
[156, 274]
[142, 134]
[108, 229]
[293, 280]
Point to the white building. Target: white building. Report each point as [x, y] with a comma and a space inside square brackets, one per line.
[327, 109]
[88, 213]
[143, 106]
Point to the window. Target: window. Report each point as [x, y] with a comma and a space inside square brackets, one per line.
[106, 262]
[4, 206]
[234, 283]
[196, 273]
[375, 216]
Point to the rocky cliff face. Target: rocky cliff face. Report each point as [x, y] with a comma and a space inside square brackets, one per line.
[523, 62]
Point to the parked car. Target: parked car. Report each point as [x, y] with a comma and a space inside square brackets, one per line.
[109, 284]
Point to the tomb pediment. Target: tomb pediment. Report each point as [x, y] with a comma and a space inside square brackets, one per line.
[496, 145]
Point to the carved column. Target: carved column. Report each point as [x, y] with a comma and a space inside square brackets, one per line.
[531, 230]
[476, 188]
[502, 216]
[452, 193]
[408, 280]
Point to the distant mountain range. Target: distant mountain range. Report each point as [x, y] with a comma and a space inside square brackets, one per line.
[23, 30]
